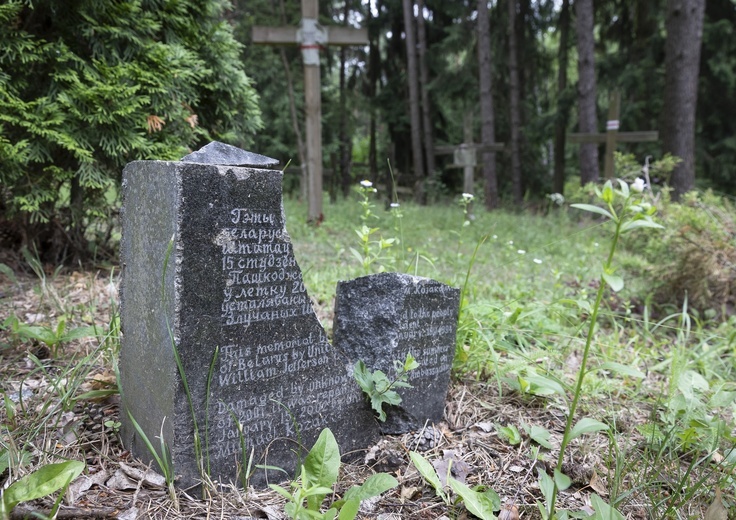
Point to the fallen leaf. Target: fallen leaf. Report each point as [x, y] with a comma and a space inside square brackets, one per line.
[509, 513]
[130, 514]
[408, 493]
[120, 481]
[83, 483]
[148, 477]
[485, 426]
[716, 511]
[597, 485]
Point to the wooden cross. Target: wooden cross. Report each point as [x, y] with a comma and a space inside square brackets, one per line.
[311, 37]
[465, 155]
[612, 135]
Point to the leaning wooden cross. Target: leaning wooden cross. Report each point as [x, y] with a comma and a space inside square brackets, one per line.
[311, 37]
[612, 135]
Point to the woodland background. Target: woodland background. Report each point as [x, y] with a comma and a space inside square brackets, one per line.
[87, 86]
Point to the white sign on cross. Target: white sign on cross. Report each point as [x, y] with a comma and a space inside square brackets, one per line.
[311, 37]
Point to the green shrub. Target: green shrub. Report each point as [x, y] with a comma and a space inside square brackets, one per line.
[89, 85]
[695, 258]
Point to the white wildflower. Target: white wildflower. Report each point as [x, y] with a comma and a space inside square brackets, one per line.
[521, 252]
[557, 198]
[366, 184]
[537, 261]
[395, 205]
[468, 197]
[638, 185]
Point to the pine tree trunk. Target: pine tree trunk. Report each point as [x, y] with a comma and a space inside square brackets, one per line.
[424, 75]
[487, 130]
[587, 107]
[562, 108]
[374, 64]
[515, 108]
[344, 160]
[300, 145]
[684, 26]
[416, 126]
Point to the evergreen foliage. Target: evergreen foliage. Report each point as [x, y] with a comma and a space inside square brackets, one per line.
[89, 85]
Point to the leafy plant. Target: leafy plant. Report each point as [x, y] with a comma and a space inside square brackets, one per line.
[52, 337]
[628, 210]
[371, 249]
[42, 482]
[480, 503]
[379, 388]
[318, 475]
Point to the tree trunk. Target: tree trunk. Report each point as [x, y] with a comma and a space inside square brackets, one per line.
[344, 159]
[515, 108]
[424, 75]
[416, 126]
[374, 64]
[684, 26]
[558, 183]
[488, 133]
[586, 90]
[300, 146]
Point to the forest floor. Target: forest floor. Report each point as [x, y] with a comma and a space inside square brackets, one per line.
[45, 420]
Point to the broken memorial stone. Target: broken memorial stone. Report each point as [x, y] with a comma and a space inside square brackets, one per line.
[233, 305]
[380, 318]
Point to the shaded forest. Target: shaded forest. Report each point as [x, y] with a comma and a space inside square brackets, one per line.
[88, 88]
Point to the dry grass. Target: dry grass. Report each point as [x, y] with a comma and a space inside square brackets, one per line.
[48, 427]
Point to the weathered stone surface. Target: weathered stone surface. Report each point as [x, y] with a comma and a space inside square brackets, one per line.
[228, 155]
[380, 318]
[232, 298]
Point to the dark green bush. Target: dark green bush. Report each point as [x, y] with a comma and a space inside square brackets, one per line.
[89, 85]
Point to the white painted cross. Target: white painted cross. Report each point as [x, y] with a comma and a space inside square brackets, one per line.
[311, 37]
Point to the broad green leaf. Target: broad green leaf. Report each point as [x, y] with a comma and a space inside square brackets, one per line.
[372, 487]
[42, 482]
[281, 491]
[43, 334]
[624, 187]
[540, 436]
[321, 467]
[7, 271]
[607, 193]
[427, 471]
[603, 511]
[563, 481]
[543, 385]
[80, 332]
[546, 486]
[593, 209]
[330, 514]
[410, 363]
[586, 425]
[479, 504]
[616, 283]
[510, 433]
[622, 369]
[357, 255]
[641, 223]
[349, 510]
[363, 377]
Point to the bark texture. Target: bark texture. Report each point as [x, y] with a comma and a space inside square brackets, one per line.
[416, 125]
[488, 132]
[558, 183]
[589, 171]
[684, 24]
[514, 107]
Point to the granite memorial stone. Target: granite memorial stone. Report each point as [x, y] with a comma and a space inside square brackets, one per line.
[209, 273]
[382, 317]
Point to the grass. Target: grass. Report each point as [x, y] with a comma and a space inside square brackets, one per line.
[663, 380]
